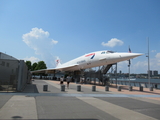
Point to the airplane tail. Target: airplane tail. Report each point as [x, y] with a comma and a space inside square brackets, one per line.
[58, 63]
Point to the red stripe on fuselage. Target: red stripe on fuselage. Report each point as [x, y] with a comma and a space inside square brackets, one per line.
[89, 54]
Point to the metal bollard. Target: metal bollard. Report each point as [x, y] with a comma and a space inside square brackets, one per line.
[78, 87]
[106, 88]
[93, 88]
[45, 87]
[130, 88]
[151, 88]
[119, 88]
[141, 88]
[62, 87]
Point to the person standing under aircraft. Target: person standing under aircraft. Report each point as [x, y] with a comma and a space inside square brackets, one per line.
[82, 80]
[68, 81]
[61, 80]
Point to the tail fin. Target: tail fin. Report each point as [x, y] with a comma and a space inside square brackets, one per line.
[129, 50]
[58, 63]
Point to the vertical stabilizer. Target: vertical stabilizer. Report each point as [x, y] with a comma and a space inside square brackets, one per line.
[58, 63]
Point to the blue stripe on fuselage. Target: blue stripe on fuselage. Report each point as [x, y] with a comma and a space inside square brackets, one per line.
[92, 56]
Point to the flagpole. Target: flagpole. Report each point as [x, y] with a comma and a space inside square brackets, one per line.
[129, 67]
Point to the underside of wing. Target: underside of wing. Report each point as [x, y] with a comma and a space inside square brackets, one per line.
[53, 70]
[44, 71]
[67, 68]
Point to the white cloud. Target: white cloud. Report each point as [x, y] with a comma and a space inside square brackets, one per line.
[54, 42]
[113, 42]
[39, 41]
[153, 51]
[122, 64]
[32, 59]
[143, 65]
[138, 66]
[158, 55]
[158, 59]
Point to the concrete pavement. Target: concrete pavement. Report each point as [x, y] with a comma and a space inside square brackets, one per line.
[34, 103]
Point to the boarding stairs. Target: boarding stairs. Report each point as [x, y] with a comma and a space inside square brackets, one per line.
[105, 68]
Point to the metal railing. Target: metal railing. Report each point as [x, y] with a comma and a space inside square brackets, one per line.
[135, 83]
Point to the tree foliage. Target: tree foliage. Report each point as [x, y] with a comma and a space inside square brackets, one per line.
[34, 66]
[28, 63]
[40, 65]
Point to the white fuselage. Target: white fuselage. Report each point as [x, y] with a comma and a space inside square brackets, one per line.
[96, 59]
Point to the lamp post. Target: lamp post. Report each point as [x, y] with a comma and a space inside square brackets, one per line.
[148, 65]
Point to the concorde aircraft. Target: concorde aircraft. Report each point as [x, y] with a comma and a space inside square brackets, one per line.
[93, 59]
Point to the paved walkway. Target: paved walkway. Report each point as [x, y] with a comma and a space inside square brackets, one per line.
[34, 103]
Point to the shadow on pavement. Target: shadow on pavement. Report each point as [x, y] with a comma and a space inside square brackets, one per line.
[30, 88]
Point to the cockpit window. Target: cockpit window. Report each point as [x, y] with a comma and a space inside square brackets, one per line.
[109, 52]
[102, 52]
[106, 52]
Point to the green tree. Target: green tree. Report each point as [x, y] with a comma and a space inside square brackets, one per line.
[34, 65]
[40, 65]
[28, 63]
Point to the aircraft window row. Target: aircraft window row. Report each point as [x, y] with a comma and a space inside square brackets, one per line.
[103, 53]
[110, 51]
[80, 62]
[107, 52]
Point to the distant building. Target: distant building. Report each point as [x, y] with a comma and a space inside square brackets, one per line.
[150, 71]
[155, 72]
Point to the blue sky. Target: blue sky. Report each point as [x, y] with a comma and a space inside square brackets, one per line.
[44, 29]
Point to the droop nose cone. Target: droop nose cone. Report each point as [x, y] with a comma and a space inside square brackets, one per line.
[127, 56]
